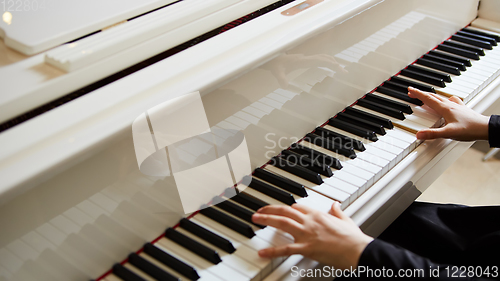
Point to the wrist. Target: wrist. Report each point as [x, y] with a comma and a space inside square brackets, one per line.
[483, 128]
[358, 250]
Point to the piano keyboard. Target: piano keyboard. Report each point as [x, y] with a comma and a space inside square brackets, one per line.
[338, 161]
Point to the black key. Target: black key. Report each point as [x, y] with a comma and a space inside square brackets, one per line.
[472, 41]
[465, 47]
[125, 274]
[284, 183]
[457, 51]
[353, 129]
[370, 117]
[433, 73]
[461, 66]
[272, 191]
[492, 41]
[399, 88]
[317, 156]
[344, 149]
[345, 141]
[306, 162]
[379, 129]
[235, 210]
[398, 114]
[171, 261]
[249, 201]
[439, 66]
[224, 219]
[407, 83]
[406, 108]
[423, 77]
[193, 245]
[149, 268]
[451, 57]
[301, 172]
[473, 31]
[207, 235]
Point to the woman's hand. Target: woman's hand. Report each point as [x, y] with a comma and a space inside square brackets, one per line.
[333, 239]
[462, 123]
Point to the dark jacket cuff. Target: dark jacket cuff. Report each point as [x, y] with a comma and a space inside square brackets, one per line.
[494, 131]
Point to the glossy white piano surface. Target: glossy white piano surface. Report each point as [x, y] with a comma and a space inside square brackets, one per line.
[35, 26]
[28, 82]
[70, 180]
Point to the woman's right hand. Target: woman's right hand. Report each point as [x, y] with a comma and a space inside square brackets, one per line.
[461, 122]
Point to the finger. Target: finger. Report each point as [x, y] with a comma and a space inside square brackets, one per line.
[433, 133]
[285, 211]
[336, 211]
[285, 250]
[426, 98]
[439, 97]
[456, 99]
[303, 209]
[279, 222]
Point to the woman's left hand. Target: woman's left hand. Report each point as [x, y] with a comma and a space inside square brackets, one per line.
[333, 239]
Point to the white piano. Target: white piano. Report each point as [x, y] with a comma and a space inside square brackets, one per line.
[74, 204]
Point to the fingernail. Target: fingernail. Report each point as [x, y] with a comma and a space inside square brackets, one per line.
[421, 135]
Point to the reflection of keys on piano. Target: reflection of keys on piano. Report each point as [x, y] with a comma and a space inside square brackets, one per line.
[73, 202]
[338, 161]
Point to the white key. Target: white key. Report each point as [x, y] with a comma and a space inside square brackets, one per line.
[469, 83]
[369, 146]
[232, 260]
[399, 152]
[376, 170]
[404, 124]
[272, 235]
[201, 265]
[346, 187]
[447, 90]
[243, 251]
[112, 277]
[362, 184]
[323, 189]
[334, 193]
[163, 267]
[403, 135]
[356, 167]
[353, 170]
[313, 200]
[419, 120]
[138, 272]
[246, 248]
[391, 139]
[392, 158]
[368, 160]
[203, 272]
[417, 110]
[396, 143]
[269, 235]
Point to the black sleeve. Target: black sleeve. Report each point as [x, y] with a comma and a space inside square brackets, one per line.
[494, 131]
[394, 260]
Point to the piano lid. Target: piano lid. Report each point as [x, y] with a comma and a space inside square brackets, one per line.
[34, 26]
[70, 176]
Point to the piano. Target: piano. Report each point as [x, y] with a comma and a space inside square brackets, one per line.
[300, 79]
